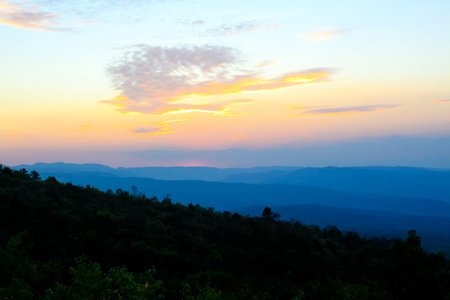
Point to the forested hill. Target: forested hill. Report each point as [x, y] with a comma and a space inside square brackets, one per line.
[61, 241]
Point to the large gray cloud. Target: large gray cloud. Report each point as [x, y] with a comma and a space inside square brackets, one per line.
[150, 78]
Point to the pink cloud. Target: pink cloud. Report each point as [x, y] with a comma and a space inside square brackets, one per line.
[333, 111]
[28, 17]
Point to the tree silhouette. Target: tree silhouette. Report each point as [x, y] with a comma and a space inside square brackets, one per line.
[268, 214]
[35, 175]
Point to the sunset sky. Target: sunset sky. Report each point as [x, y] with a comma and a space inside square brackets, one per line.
[96, 81]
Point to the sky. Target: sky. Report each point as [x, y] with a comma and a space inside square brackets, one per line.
[106, 81]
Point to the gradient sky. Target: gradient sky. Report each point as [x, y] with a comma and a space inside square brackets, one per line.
[127, 76]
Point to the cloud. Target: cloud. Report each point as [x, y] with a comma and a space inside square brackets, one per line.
[105, 11]
[324, 35]
[267, 63]
[150, 131]
[333, 111]
[28, 16]
[163, 80]
[155, 129]
[146, 130]
[13, 135]
[441, 101]
[198, 22]
[239, 28]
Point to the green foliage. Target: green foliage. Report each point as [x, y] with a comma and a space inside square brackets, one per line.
[89, 282]
[199, 253]
[17, 289]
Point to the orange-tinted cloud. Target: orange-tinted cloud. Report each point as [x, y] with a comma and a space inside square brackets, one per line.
[28, 17]
[157, 80]
[255, 84]
[16, 136]
[82, 128]
[346, 110]
[12, 135]
[157, 128]
[324, 35]
[441, 101]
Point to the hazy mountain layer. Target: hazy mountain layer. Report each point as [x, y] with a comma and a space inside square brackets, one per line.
[392, 181]
[347, 197]
[229, 196]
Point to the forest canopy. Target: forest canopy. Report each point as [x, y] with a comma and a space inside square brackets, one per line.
[62, 241]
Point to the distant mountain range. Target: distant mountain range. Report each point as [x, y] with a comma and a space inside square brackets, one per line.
[163, 173]
[389, 181]
[370, 200]
[392, 181]
[412, 151]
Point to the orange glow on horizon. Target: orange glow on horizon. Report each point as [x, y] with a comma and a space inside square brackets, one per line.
[192, 164]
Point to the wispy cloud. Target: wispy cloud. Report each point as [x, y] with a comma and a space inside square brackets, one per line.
[346, 110]
[150, 131]
[155, 128]
[240, 28]
[47, 15]
[158, 80]
[441, 101]
[323, 35]
[13, 135]
[28, 16]
[267, 63]
[198, 22]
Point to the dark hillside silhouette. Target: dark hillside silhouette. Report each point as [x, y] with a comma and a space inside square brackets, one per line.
[62, 241]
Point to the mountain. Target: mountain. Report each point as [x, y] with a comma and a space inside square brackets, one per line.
[371, 200]
[163, 173]
[66, 168]
[392, 181]
[62, 241]
[435, 231]
[424, 152]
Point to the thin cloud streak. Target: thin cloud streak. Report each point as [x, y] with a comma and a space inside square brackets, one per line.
[441, 101]
[156, 129]
[324, 35]
[267, 63]
[346, 110]
[240, 28]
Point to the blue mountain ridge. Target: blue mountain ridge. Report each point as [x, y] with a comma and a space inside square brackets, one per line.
[374, 209]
